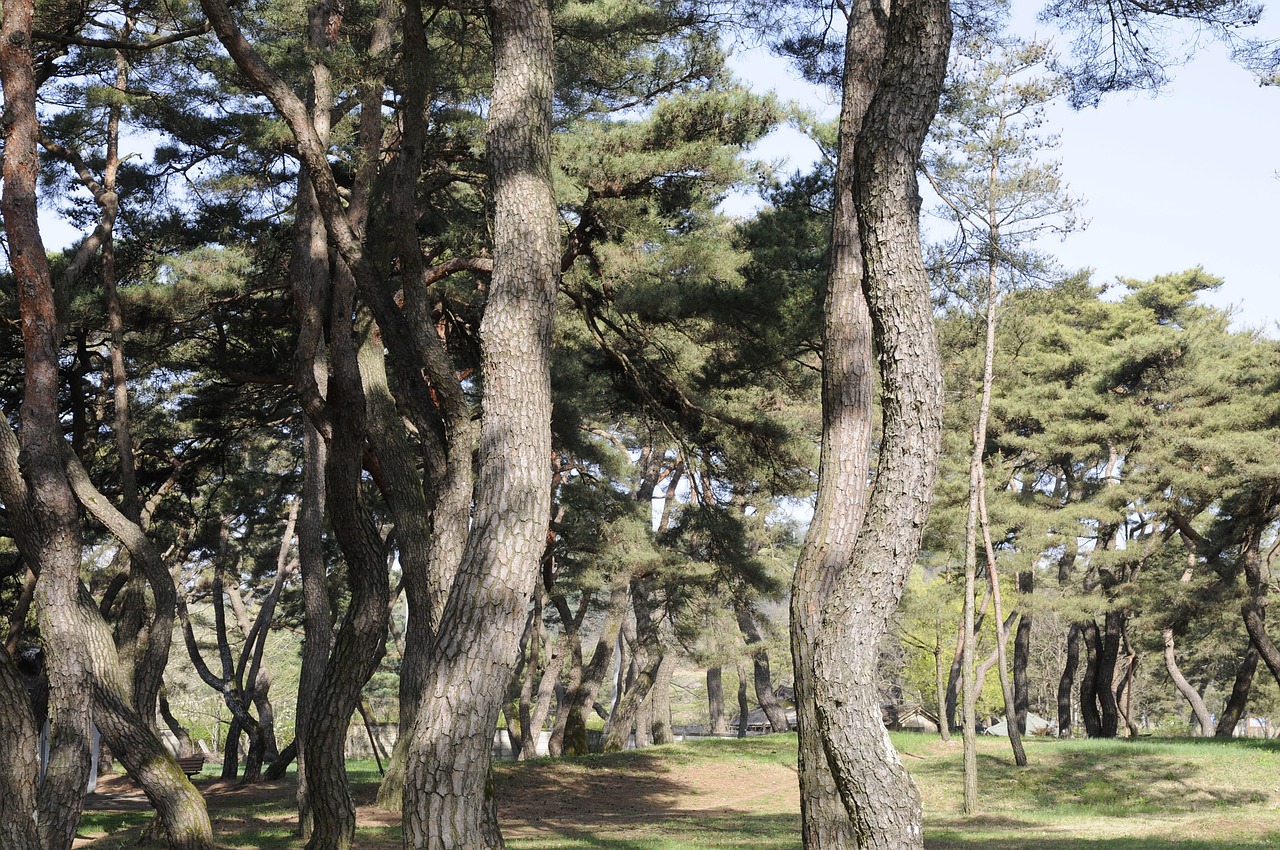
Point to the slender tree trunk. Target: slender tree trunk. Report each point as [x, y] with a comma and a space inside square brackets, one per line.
[1022, 652]
[1203, 720]
[744, 709]
[762, 676]
[1002, 628]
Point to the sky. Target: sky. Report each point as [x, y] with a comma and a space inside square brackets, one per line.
[1188, 177]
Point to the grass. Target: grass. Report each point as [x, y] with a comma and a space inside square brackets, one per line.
[1150, 794]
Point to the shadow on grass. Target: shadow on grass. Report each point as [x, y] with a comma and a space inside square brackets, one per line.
[1115, 781]
[975, 838]
[739, 831]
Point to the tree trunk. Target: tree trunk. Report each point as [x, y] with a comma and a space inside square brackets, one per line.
[1239, 698]
[448, 798]
[1092, 683]
[19, 761]
[660, 701]
[763, 678]
[845, 460]
[38, 497]
[1022, 653]
[744, 709]
[717, 722]
[876, 790]
[1108, 660]
[1066, 683]
[1203, 720]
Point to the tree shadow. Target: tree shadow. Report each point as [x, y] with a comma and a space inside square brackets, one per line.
[1114, 782]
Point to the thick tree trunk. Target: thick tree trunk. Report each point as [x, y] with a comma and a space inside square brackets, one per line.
[38, 497]
[19, 761]
[1239, 699]
[448, 799]
[1066, 683]
[1108, 660]
[845, 460]
[876, 790]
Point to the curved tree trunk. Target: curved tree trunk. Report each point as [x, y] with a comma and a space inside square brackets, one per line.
[1203, 719]
[762, 677]
[1092, 682]
[845, 460]
[876, 790]
[1239, 698]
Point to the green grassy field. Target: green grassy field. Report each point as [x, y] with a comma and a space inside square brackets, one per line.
[1151, 794]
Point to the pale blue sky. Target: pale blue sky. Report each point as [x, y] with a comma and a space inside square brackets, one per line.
[1188, 177]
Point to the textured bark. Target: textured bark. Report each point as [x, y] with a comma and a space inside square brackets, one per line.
[1258, 576]
[882, 801]
[1067, 681]
[744, 707]
[448, 800]
[179, 806]
[1239, 699]
[43, 508]
[845, 459]
[19, 761]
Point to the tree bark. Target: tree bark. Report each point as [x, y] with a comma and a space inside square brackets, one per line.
[19, 761]
[1092, 682]
[448, 799]
[41, 505]
[876, 790]
[845, 459]
[1022, 653]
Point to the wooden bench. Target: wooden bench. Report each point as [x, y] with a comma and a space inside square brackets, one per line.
[191, 765]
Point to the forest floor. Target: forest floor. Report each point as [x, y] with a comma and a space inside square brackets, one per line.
[1150, 794]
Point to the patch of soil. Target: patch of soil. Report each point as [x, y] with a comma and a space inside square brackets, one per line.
[537, 799]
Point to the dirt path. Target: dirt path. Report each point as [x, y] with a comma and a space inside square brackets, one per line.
[536, 800]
